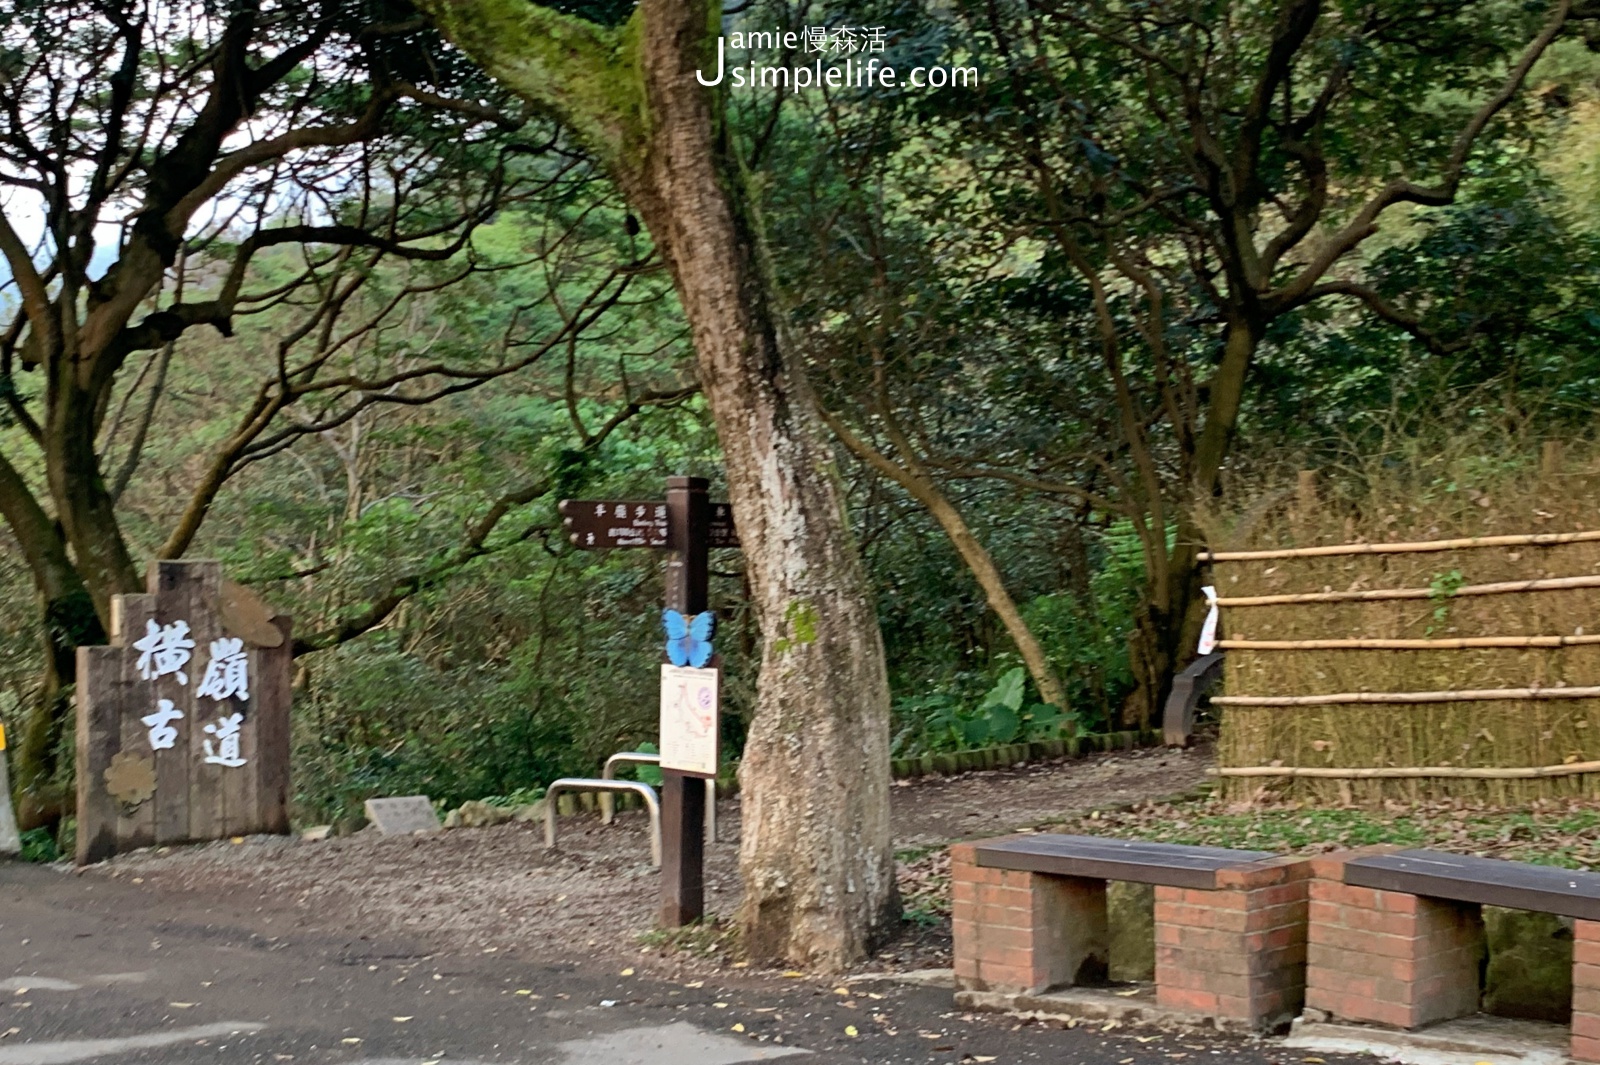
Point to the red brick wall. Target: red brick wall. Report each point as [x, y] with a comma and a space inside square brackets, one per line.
[1386, 957]
[1238, 951]
[1017, 931]
[1586, 991]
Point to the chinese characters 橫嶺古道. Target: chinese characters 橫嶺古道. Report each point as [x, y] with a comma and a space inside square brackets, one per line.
[228, 673]
[163, 737]
[226, 730]
[164, 651]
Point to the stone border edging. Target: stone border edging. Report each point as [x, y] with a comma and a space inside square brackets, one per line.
[946, 764]
[1011, 754]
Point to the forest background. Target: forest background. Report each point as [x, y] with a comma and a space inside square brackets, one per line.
[1017, 387]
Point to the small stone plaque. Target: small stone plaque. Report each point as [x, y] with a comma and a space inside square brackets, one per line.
[403, 815]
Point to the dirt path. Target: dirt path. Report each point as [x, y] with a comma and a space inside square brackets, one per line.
[936, 811]
[493, 888]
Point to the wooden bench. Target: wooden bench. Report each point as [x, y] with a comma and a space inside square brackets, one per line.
[1396, 936]
[1029, 914]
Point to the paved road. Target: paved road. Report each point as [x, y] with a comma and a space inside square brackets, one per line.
[101, 970]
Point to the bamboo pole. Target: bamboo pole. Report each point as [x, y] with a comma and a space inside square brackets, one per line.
[1374, 644]
[1547, 584]
[1474, 695]
[1405, 548]
[1413, 772]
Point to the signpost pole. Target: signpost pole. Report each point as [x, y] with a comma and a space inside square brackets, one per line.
[683, 797]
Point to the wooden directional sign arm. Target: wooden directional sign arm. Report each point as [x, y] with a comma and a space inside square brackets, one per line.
[601, 524]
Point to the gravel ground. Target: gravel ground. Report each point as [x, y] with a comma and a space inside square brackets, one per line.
[474, 890]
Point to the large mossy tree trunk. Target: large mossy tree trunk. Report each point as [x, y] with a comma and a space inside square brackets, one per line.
[815, 856]
[67, 620]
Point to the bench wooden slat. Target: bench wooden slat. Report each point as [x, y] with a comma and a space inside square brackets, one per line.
[1165, 864]
[1492, 881]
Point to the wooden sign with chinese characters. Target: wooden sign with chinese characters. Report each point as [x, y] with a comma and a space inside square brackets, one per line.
[594, 524]
[183, 722]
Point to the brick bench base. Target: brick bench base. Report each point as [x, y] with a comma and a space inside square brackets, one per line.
[1236, 952]
[1387, 957]
[1586, 991]
[1017, 931]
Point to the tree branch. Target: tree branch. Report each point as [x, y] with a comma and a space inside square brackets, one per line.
[476, 543]
[1401, 190]
[584, 75]
[1390, 313]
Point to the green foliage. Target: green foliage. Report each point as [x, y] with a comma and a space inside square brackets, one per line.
[1565, 836]
[644, 772]
[908, 235]
[941, 722]
[1440, 589]
[39, 845]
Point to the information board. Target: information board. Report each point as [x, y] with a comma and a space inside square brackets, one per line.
[689, 720]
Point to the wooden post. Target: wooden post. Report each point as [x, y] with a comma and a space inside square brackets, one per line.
[683, 797]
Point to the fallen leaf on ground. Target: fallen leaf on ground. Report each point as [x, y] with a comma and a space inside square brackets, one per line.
[626, 972]
[850, 1030]
[738, 1027]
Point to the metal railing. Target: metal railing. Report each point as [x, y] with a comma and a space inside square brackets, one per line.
[608, 805]
[645, 791]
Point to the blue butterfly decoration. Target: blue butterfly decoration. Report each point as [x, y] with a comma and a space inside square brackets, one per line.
[688, 639]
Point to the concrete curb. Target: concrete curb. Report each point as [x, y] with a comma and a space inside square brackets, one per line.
[1098, 1006]
[1478, 1040]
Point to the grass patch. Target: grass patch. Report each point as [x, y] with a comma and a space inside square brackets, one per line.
[707, 938]
[1547, 833]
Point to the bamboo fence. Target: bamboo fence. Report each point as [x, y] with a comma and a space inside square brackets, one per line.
[1463, 667]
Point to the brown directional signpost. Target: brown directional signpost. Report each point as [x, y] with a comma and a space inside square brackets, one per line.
[688, 525]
